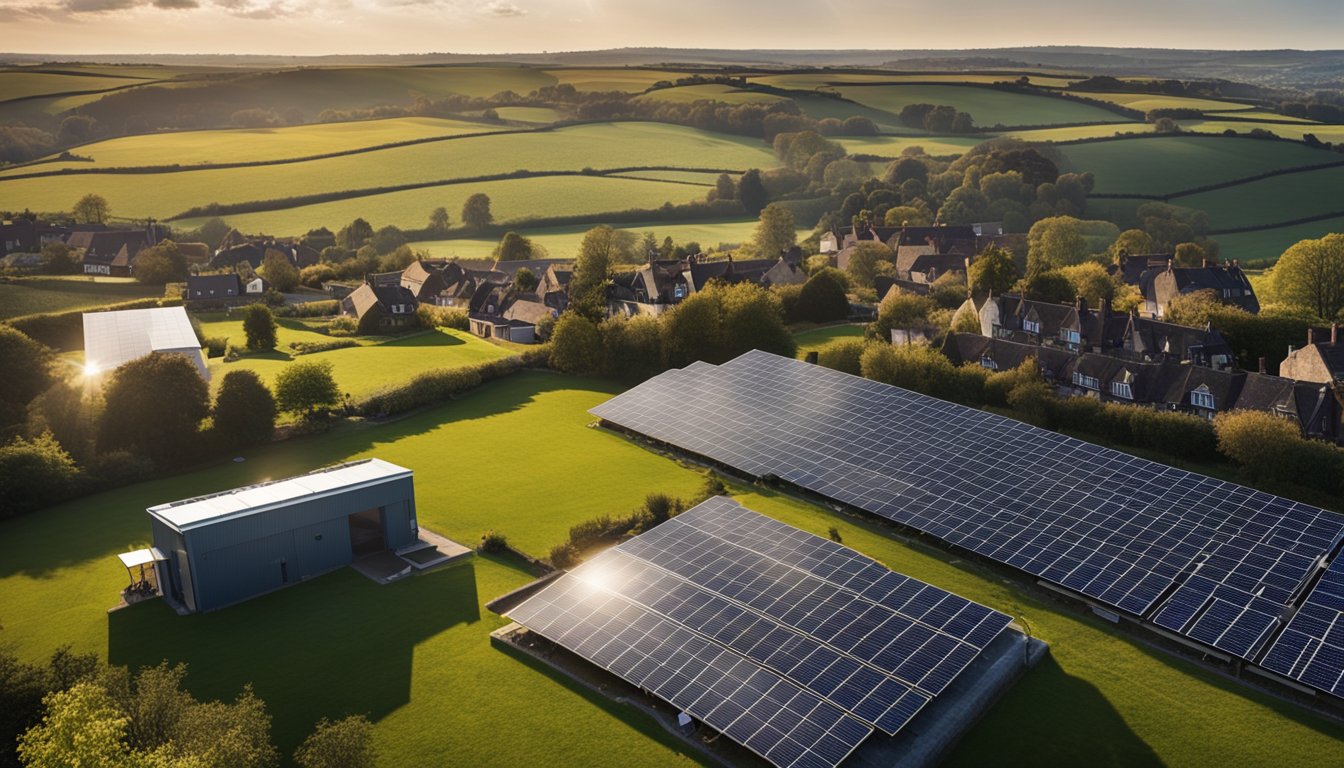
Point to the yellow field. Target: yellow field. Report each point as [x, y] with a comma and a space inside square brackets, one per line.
[710, 92]
[813, 80]
[563, 242]
[1147, 101]
[1330, 133]
[538, 115]
[19, 85]
[1080, 132]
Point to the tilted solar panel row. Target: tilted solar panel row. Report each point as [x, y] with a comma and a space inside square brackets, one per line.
[1209, 559]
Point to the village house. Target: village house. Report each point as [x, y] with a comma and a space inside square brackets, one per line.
[424, 280]
[214, 288]
[1165, 384]
[1228, 283]
[28, 236]
[663, 283]
[380, 305]
[1321, 360]
[111, 252]
[500, 312]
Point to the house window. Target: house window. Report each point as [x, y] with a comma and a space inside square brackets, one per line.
[1070, 336]
[1202, 399]
[1122, 390]
[988, 362]
[1031, 326]
[1085, 381]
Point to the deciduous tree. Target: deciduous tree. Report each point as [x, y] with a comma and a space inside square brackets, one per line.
[259, 327]
[91, 209]
[476, 211]
[344, 743]
[1310, 275]
[244, 410]
[306, 388]
[279, 271]
[154, 407]
[775, 231]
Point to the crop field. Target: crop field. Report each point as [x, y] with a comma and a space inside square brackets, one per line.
[1271, 243]
[510, 200]
[710, 92]
[1273, 200]
[1148, 101]
[1099, 697]
[1171, 164]
[29, 295]
[563, 242]
[358, 370]
[987, 106]
[248, 145]
[1075, 132]
[1262, 114]
[892, 146]
[1330, 133]
[574, 148]
[538, 115]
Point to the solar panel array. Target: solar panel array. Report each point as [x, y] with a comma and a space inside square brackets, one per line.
[1209, 559]
[790, 644]
[1311, 649]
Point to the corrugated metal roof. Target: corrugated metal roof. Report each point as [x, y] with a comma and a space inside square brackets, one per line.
[114, 338]
[193, 513]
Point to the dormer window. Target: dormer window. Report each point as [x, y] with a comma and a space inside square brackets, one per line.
[988, 362]
[1202, 398]
[1122, 390]
[1031, 326]
[1085, 381]
[1069, 335]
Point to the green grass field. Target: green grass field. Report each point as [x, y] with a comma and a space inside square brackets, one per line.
[1330, 133]
[1148, 101]
[808, 80]
[1273, 200]
[536, 115]
[1074, 132]
[510, 200]
[415, 655]
[245, 145]
[28, 295]
[19, 85]
[1271, 243]
[987, 106]
[563, 242]
[626, 79]
[598, 146]
[685, 177]
[1174, 163]
[686, 94]
[816, 338]
[892, 146]
[357, 370]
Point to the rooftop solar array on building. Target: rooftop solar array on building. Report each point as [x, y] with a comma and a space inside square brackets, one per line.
[1216, 562]
[792, 645]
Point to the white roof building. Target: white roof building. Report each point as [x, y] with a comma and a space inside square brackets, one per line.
[112, 339]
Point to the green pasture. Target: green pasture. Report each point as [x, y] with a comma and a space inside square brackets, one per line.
[626, 79]
[247, 145]
[1149, 101]
[313, 90]
[1273, 200]
[1074, 132]
[811, 80]
[29, 295]
[1174, 163]
[816, 338]
[510, 200]
[606, 145]
[538, 115]
[987, 106]
[1295, 131]
[1262, 114]
[685, 177]
[893, 146]
[20, 85]
[415, 655]
[727, 94]
[563, 242]
[358, 370]
[1271, 243]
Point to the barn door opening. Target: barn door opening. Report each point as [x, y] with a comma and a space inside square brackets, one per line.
[366, 532]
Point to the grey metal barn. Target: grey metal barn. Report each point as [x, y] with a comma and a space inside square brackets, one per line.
[227, 547]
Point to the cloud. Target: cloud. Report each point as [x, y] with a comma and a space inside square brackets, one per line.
[176, 5]
[502, 9]
[97, 6]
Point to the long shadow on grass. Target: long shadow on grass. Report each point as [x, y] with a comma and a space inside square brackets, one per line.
[1070, 722]
[427, 339]
[338, 645]
[41, 543]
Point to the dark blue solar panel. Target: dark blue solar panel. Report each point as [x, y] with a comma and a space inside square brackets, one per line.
[1114, 527]
[1311, 648]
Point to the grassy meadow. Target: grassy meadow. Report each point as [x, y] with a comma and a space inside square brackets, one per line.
[359, 371]
[727, 94]
[1271, 243]
[30, 295]
[1273, 200]
[987, 106]
[24, 85]
[1174, 163]
[563, 242]
[1100, 698]
[1149, 101]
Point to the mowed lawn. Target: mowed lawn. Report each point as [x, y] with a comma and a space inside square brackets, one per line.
[249, 145]
[510, 200]
[987, 106]
[1174, 163]
[564, 242]
[816, 338]
[601, 146]
[29, 295]
[379, 362]
[517, 456]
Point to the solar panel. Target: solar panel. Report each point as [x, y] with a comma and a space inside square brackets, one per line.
[1311, 648]
[723, 588]
[1213, 560]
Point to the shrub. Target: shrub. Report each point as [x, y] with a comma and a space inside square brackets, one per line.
[632, 348]
[215, 346]
[435, 386]
[343, 325]
[345, 743]
[306, 388]
[1265, 446]
[842, 355]
[431, 316]
[660, 507]
[35, 474]
[576, 345]
[324, 308]
[244, 410]
[494, 543]
[563, 556]
[309, 347]
[259, 326]
[822, 298]
[27, 372]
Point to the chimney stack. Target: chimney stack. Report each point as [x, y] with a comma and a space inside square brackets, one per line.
[1262, 365]
[1105, 307]
[1311, 336]
[1334, 333]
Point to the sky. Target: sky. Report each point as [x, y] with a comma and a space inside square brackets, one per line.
[509, 26]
